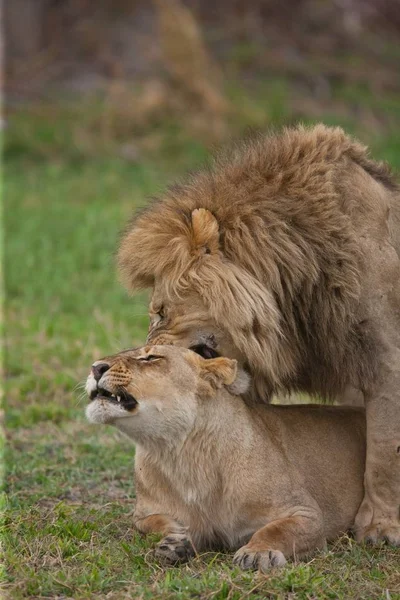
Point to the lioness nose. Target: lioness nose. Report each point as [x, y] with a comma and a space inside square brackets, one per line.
[98, 370]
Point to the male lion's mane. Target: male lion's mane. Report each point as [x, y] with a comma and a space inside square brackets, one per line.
[272, 252]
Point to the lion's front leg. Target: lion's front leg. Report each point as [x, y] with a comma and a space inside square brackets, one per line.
[378, 518]
[271, 545]
[175, 546]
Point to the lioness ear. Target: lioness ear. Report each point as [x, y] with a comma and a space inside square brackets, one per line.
[205, 231]
[219, 371]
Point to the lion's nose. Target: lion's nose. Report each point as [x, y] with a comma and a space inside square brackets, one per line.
[98, 370]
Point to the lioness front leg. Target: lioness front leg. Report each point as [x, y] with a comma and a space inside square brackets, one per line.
[281, 539]
[175, 546]
[378, 518]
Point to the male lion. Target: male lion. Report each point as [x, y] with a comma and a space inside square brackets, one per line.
[284, 255]
[208, 476]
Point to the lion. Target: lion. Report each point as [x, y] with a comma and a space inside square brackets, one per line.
[269, 482]
[284, 255]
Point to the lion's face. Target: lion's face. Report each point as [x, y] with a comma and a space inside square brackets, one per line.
[186, 321]
[152, 393]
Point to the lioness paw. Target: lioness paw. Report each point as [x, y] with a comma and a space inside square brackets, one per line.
[174, 549]
[265, 560]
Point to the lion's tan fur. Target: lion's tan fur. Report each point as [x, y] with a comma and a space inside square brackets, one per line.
[210, 468]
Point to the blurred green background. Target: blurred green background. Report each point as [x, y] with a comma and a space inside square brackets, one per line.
[107, 103]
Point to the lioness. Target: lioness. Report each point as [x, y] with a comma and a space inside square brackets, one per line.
[211, 473]
[284, 255]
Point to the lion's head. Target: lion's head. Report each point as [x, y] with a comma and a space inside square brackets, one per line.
[201, 299]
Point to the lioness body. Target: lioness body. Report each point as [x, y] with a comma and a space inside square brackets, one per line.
[213, 473]
[233, 476]
[285, 256]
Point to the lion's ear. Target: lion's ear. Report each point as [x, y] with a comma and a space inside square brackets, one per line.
[205, 231]
[219, 371]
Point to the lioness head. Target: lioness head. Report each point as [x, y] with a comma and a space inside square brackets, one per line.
[152, 392]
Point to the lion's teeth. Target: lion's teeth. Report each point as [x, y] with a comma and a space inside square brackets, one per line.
[119, 398]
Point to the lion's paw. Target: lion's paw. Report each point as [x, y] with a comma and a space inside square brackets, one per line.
[380, 532]
[174, 548]
[374, 526]
[246, 559]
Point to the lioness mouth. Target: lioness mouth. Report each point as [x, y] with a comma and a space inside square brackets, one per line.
[204, 351]
[126, 400]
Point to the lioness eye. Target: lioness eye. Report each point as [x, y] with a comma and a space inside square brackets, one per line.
[149, 357]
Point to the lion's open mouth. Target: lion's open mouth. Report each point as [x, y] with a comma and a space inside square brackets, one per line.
[127, 401]
[204, 351]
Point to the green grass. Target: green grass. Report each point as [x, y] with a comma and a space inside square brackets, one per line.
[67, 529]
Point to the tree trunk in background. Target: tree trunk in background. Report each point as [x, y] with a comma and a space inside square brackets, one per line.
[185, 56]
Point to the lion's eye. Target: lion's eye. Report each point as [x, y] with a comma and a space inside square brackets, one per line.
[149, 358]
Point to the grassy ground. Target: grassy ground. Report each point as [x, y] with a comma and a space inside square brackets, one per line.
[67, 527]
